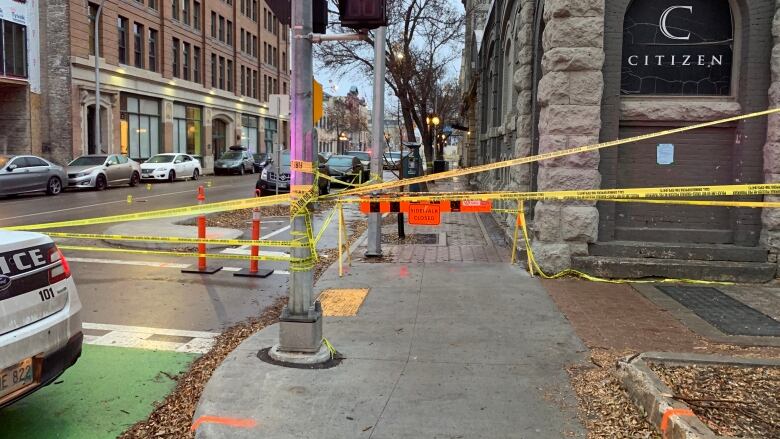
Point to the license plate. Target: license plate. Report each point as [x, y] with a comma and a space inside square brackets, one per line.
[283, 185]
[16, 377]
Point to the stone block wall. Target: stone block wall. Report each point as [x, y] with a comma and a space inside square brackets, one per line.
[569, 97]
[770, 234]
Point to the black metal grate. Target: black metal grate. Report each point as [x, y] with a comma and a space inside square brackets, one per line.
[724, 312]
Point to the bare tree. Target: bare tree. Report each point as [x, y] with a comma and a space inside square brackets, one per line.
[424, 38]
[345, 116]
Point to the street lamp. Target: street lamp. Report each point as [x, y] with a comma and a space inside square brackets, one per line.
[98, 145]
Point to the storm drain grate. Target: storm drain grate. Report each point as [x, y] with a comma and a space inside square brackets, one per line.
[411, 238]
[724, 312]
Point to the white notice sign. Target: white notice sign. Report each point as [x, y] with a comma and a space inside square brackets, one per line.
[665, 154]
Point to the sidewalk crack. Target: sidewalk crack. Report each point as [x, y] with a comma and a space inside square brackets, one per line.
[408, 354]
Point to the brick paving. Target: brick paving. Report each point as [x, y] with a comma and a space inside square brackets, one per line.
[470, 237]
[615, 316]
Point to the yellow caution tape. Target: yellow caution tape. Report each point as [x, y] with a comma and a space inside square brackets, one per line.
[244, 203]
[589, 195]
[182, 254]
[533, 266]
[177, 240]
[547, 156]
[325, 225]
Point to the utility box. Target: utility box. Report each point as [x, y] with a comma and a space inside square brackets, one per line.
[412, 164]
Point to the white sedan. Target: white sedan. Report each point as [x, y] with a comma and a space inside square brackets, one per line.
[170, 166]
[40, 314]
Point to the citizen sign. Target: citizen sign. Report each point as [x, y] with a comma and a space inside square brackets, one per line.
[677, 48]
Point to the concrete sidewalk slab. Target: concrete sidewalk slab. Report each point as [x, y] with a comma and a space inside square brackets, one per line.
[442, 350]
[167, 227]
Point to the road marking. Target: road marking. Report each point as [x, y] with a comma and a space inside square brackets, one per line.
[276, 232]
[124, 200]
[142, 337]
[121, 262]
[160, 264]
[245, 250]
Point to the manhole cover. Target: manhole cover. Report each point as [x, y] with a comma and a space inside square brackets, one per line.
[411, 238]
[723, 311]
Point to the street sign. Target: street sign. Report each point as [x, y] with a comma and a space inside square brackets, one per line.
[424, 214]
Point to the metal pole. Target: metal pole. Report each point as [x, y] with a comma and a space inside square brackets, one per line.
[375, 219]
[300, 328]
[96, 134]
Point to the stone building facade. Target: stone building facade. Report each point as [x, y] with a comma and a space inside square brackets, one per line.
[547, 75]
[194, 76]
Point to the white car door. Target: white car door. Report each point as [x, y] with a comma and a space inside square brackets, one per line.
[190, 165]
[179, 166]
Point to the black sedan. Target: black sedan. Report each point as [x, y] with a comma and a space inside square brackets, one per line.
[346, 168]
[276, 178]
[261, 160]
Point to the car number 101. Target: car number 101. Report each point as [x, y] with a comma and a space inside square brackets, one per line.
[46, 294]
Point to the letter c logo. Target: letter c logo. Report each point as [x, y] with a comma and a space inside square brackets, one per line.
[662, 22]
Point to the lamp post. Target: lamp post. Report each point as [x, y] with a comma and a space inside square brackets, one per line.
[96, 133]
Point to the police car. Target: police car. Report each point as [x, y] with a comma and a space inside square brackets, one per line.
[40, 314]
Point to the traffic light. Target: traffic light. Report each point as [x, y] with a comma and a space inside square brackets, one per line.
[363, 14]
[320, 16]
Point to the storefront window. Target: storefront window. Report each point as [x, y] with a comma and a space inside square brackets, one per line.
[139, 126]
[270, 134]
[188, 129]
[249, 133]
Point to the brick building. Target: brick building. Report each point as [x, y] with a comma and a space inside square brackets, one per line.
[546, 75]
[193, 76]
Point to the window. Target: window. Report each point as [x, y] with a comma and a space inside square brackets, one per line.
[196, 15]
[175, 58]
[186, 62]
[153, 4]
[284, 87]
[213, 25]
[138, 42]
[221, 73]
[187, 129]
[243, 41]
[229, 33]
[139, 126]
[249, 125]
[92, 13]
[243, 6]
[121, 26]
[175, 9]
[213, 70]
[222, 28]
[152, 50]
[254, 11]
[186, 12]
[275, 87]
[270, 134]
[230, 75]
[284, 61]
[254, 46]
[275, 59]
[254, 84]
[196, 65]
[13, 52]
[243, 84]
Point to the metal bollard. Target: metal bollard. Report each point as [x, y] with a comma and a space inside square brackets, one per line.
[254, 251]
[202, 267]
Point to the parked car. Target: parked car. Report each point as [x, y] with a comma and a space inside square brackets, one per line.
[237, 160]
[40, 314]
[347, 168]
[392, 160]
[364, 156]
[170, 166]
[27, 173]
[101, 171]
[268, 182]
[261, 159]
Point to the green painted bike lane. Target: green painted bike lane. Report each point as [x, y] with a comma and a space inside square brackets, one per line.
[104, 393]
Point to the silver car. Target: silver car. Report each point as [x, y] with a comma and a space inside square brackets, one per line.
[27, 173]
[101, 171]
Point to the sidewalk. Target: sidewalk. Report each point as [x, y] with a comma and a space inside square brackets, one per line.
[439, 349]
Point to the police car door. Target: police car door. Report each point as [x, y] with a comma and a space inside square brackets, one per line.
[26, 269]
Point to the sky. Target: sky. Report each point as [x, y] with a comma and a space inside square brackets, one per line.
[339, 84]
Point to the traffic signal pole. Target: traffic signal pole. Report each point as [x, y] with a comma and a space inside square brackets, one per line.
[377, 148]
[300, 325]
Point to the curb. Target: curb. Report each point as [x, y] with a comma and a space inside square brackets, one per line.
[673, 418]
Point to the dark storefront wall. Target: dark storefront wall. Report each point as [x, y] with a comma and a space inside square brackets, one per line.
[720, 155]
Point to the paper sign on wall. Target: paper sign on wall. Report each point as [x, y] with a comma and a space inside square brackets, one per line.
[665, 154]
